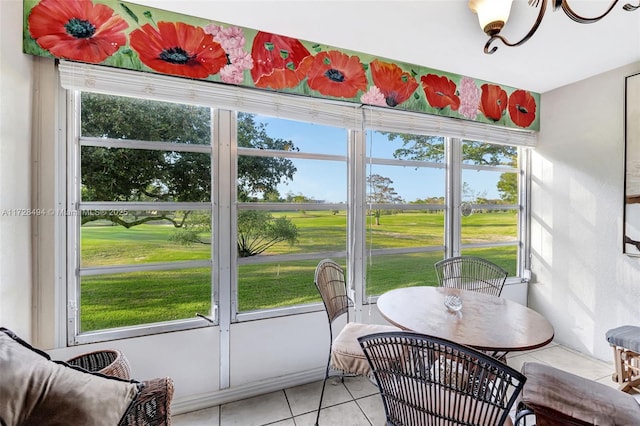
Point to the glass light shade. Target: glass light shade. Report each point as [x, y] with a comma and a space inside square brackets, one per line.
[491, 12]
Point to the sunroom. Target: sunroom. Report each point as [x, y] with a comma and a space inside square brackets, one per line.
[179, 218]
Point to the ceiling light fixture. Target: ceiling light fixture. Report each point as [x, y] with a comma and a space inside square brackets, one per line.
[493, 15]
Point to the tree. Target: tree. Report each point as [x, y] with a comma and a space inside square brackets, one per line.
[508, 186]
[123, 174]
[470, 195]
[119, 174]
[381, 191]
[261, 175]
[257, 231]
[431, 148]
[298, 198]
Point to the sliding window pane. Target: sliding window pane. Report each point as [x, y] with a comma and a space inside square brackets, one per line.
[306, 181]
[401, 229]
[493, 217]
[315, 181]
[134, 298]
[141, 265]
[490, 227]
[264, 132]
[386, 272]
[276, 284]
[159, 236]
[124, 118]
[399, 184]
[272, 233]
[406, 206]
[405, 146]
[490, 190]
[121, 174]
[490, 187]
[481, 153]
[504, 256]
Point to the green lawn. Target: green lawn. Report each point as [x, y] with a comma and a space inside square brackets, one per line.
[144, 297]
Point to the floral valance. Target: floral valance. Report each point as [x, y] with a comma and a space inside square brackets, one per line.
[131, 36]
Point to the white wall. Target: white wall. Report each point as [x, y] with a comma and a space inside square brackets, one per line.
[15, 182]
[582, 281]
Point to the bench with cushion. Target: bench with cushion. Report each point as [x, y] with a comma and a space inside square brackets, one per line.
[559, 398]
[625, 341]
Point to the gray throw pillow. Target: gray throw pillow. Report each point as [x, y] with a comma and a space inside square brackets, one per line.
[37, 391]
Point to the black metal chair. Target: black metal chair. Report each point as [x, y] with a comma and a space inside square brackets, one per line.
[345, 354]
[471, 273]
[424, 381]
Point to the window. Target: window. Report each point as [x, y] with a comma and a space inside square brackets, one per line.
[292, 209]
[406, 209]
[144, 173]
[491, 203]
[194, 197]
[414, 220]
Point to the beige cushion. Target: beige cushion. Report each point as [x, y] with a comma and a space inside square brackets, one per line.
[346, 353]
[37, 391]
[563, 396]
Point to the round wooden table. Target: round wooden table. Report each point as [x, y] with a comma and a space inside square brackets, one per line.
[485, 322]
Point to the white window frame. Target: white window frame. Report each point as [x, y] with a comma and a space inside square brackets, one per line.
[73, 227]
[225, 100]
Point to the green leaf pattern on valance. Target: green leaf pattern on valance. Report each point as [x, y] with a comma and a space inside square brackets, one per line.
[131, 36]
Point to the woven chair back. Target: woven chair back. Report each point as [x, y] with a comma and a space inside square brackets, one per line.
[471, 273]
[110, 362]
[330, 281]
[427, 381]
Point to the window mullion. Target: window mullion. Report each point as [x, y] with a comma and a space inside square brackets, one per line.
[73, 222]
[225, 279]
[524, 223]
[453, 222]
[357, 233]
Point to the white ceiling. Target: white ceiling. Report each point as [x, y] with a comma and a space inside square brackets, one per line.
[445, 34]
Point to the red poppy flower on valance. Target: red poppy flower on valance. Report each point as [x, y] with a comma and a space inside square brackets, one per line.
[77, 29]
[493, 101]
[395, 84]
[336, 74]
[440, 91]
[278, 61]
[179, 49]
[522, 108]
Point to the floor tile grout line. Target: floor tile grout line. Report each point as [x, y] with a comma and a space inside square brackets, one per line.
[362, 411]
[286, 398]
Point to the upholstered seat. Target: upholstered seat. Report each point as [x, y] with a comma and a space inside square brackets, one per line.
[627, 336]
[345, 354]
[559, 398]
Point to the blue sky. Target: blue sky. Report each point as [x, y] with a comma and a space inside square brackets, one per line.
[326, 180]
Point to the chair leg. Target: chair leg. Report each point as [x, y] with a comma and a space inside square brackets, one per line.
[627, 364]
[324, 383]
[522, 412]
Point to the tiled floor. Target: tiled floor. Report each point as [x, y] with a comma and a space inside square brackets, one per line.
[356, 401]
